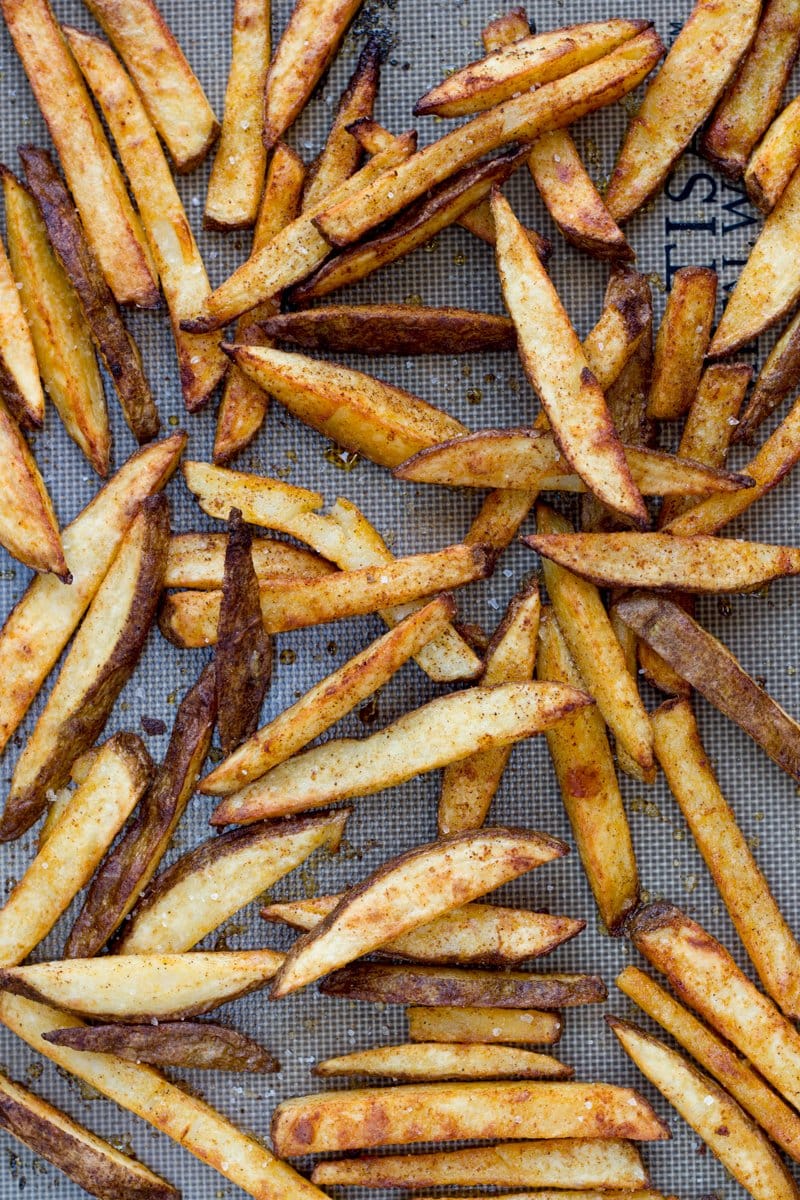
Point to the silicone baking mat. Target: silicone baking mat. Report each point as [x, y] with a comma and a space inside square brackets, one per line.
[698, 219]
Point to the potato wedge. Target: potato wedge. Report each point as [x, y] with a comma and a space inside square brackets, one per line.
[469, 785]
[775, 159]
[762, 928]
[682, 341]
[392, 329]
[115, 345]
[141, 987]
[184, 281]
[716, 1057]
[695, 73]
[20, 385]
[237, 176]
[100, 662]
[418, 1061]
[28, 523]
[61, 335]
[185, 1118]
[94, 1165]
[433, 986]
[88, 825]
[467, 1025]
[711, 668]
[728, 1132]
[442, 731]
[754, 97]
[612, 342]
[93, 177]
[212, 882]
[777, 380]
[201, 1045]
[499, 518]
[197, 560]
[129, 867]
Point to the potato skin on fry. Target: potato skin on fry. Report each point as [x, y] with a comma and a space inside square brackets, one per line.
[775, 159]
[439, 1061]
[201, 1045]
[392, 329]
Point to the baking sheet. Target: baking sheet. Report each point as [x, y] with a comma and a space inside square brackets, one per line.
[699, 219]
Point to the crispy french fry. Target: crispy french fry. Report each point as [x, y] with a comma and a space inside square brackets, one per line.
[237, 176]
[66, 862]
[100, 662]
[28, 523]
[59, 329]
[439, 1061]
[447, 1024]
[692, 78]
[610, 345]
[778, 379]
[499, 518]
[432, 986]
[469, 785]
[209, 884]
[183, 276]
[19, 371]
[729, 1133]
[440, 732]
[392, 329]
[202, 1045]
[197, 560]
[682, 342]
[114, 344]
[112, 226]
[582, 1194]
[775, 159]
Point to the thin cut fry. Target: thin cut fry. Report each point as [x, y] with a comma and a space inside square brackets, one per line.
[447, 1024]
[433, 986]
[392, 329]
[682, 342]
[19, 371]
[28, 524]
[439, 1061]
[775, 159]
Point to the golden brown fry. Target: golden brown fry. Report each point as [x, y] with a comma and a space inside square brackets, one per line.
[197, 560]
[28, 524]
[778, 379]
[202, 1045]
[447, 1024]
[418, 1061]
[55, 810]
[582, 1194]
[20, 385]
[433, 986]
[392, 329]
[775, 159]
[682, 342]
[612, 342]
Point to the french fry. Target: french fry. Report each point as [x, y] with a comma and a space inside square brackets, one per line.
[19, 370]
[212, 882]
[61, 336]
[39, 627]
[775, 159]
[141, 987]
[392, 329]
[197, 560]
[93, 1164]
[411, 890]
[88, 825]
[433, 986]
[779, 377]
[237, 176]
[764, 932]
[202, 1045]
[682, 341]
[185, 1118]
[711, 668]
[129, 867]
[715, 1056]
[329, 700]
[93, 177]
[582, 1194]
[556, 366]
[184, 281]
[499, 518]
[55, 810]
[439, 1061]
[755, 94]
[692, 78]
[446, 1024]
[28, 523]
[114, 344]
[610, 345]
[729, 1133]
[469, 786]
[442, 731]
[585, 771]
[100, 662]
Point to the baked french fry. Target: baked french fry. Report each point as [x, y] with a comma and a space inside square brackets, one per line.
[777, 380]
[20, 385]
[466, 1025]
[392, 329]
[55, 810]
[237, 176]
[499, 518]
[775, 159]
[197, 560]
[212, 882]
[93, 177]
[184, 281]
[695, 73]
[433, 986]
[682, 341]
[202, 1045]
[611, 343]
[66, 862]
[433, 1061]
[582, 1194]
[28, 523]
[728, 1132]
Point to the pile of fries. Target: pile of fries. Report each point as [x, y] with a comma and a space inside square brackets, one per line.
[100, 226]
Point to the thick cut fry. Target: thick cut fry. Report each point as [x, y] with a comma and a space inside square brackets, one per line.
[412, 890]
[185, 1118]
[467, 1025]
[88, 825]
[728, 1132]
[197, 560]
[100, 662]
[766, 936]
[433, 986]
[755, 94]
[556, 366]
[711, 668]
[94, 1165]
[93, 177]
[692, 78]
[212, 882]
[469, 786]
[613, 341]
[716, 1057]
[201, 363]
[585, 771]
[61, 335]
[114, 344]
[682, 342]
[237, 177]
[439, 1061]
[28, 523]
[202, 1045]
[778, 379]
[775, 159]
[393, 329]
[443, 731]
[129, 867]
[20, 385]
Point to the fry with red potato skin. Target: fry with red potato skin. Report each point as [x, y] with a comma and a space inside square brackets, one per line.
[20, 385]
[729, 1133]
[202, 1045]
[434, 986]
[762, 928]
[682, 341]
[411, 890]
[469, 786]
[433, 1061]
[692, 78]
[392, 329]
[775, 159]
[237, 176]
[442, 731]
[197, 560]
[28, 523]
